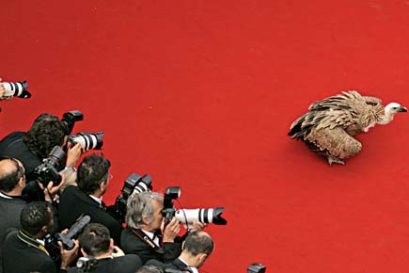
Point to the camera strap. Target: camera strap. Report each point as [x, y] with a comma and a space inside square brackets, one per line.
[142, 236]
[31, 242]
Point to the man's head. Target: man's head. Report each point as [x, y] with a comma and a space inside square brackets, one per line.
[46, 132]
[145, 211]
[12, 178]
[149, 269]
[95, 241]
[196, 248]
[36, 219]
[93, 175]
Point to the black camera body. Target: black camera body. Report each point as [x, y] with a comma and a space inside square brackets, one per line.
[86, 264]
[133, 183]
[256, 268]
[51, 241]
[48, 170]
[69, 119]
[169, 210]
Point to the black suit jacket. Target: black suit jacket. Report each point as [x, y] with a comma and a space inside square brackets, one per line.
[178, 265]
[13, 145]
[125, 264]
[74, 203]
[174, 266]
[19, 257]
[10, 218]
[10, 215]
[131, 244]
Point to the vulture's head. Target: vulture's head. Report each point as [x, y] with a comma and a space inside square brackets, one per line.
[390, 110]
[394, 107]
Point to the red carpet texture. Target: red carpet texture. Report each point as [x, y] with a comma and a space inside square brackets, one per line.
[201, 94]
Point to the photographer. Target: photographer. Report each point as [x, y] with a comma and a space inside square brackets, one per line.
[93, 178]
[12, 183]
[96, 242]
[33, 146]
[146, 234]
[27, 244]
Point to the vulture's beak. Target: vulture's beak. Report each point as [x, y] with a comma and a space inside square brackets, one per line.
[402, 109]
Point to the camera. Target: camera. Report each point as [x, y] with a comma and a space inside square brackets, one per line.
[207, 216]
[51, 241]
[86, 264]
[256, 268]
[48, 170]
[87, 141]
[69, 119]
[16, 89]
[188, 216]
[133, 183]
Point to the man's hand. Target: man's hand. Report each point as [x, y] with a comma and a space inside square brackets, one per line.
[51, 191]
[73, 155]
[68, 256]
[2, 92]
[170, 231]
[197, 226]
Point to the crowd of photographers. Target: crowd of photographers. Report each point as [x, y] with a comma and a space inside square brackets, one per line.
[54, 219]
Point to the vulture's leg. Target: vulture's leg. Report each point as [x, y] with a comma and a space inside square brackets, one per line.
[332, 159]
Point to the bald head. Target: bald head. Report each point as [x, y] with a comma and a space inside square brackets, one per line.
[11, 173]
[198, 242]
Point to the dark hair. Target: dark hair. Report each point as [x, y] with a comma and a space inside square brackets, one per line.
[34, 216]
[95, 239]
[149, 269]
[9, 179]
[46, 132]
[92, 171]
[198, 242]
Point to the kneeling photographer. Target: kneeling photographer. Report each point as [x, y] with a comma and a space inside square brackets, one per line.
[101, 254]
[146, 233]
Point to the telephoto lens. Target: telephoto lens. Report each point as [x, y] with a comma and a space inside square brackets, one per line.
[16, 89]
[88, 141]
[206, 216]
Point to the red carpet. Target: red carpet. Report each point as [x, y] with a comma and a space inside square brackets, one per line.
[201, 94]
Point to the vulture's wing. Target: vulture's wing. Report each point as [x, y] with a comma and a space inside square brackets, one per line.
[350, 100]
[335, 141]
[319, 120]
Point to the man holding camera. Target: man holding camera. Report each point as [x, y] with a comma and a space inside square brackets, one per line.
[33, 146]
[24, 251]
[96, 242]
[146, 233]
[93, 178]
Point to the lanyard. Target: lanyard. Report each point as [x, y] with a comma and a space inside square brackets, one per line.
[31, 242]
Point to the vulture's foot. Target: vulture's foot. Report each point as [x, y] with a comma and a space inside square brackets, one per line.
[332, 160]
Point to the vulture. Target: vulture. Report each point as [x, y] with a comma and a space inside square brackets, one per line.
[329, 126]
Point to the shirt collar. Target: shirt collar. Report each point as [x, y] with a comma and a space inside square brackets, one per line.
[5, 196]
[96, 199]
[194, 269]
[151, 235]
